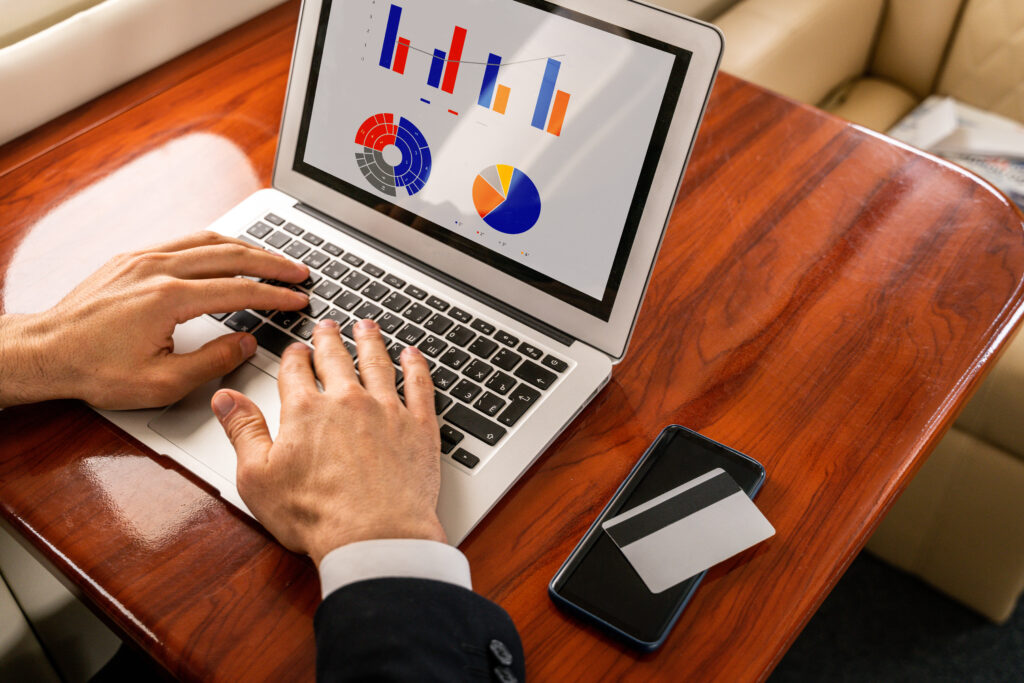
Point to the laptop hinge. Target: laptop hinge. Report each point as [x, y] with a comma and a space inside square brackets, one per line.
[469, 291]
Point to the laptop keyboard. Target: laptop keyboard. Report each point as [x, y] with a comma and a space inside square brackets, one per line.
[485, 378]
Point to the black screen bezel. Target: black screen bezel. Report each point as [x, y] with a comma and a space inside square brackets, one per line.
[599, 308]
[746, 471]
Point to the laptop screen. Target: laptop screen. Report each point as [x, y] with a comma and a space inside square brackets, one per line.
[518, 132]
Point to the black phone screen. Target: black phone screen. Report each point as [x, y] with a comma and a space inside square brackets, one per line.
[598, 578]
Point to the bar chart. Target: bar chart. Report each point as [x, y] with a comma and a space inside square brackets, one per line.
[549, 111]
[444, 65]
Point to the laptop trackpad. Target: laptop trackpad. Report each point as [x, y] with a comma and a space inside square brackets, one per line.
[191, 425]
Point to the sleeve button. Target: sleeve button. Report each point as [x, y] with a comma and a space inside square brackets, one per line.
[500, 652]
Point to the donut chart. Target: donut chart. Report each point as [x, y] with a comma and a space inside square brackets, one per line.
[379, 132]
[506, 199]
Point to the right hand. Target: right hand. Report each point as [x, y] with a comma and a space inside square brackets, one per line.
[350, 463]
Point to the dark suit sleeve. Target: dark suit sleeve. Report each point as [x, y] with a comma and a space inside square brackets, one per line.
[398, 629]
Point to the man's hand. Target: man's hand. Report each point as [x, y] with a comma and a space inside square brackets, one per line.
[109, 341]
[350, 463]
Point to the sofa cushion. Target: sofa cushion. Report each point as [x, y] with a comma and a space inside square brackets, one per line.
[22, 18]
[996, 411]
[873, 102]
[986, 62]
[913, 38]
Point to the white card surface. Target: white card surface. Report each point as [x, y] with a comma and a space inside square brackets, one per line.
[688, 529]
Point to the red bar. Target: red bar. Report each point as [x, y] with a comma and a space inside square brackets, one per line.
[454, 56]
[558, 112]
[401, 53]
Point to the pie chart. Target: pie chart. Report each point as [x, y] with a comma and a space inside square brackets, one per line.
[506, 199]
[379, 138]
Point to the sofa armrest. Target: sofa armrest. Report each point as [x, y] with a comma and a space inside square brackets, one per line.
[803, 49]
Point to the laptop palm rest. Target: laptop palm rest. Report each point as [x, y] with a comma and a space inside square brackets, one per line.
[191, 425]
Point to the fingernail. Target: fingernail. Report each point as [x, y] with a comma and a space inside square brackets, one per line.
[327, 322]
[366, 325]
[248, 344]
[223, 404]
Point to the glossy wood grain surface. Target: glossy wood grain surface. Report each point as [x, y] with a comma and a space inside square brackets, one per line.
[825, 301]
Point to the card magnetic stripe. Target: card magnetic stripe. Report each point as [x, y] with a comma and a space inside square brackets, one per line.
[672, 510]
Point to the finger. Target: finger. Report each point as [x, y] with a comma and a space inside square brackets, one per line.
[213, 359]
[245, 427]
[228, 260]
[223, 295]
[203, 238]
[419, 387]
[295, 378]
[333, 363]
[375, 367]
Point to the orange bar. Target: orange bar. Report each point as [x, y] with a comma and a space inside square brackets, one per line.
[501, 99]
[558, 112]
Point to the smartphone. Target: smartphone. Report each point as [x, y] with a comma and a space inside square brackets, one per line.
[598, 583]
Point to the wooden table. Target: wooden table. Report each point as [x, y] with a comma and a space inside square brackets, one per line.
[825, 301]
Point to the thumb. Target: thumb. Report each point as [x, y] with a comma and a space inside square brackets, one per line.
[245, 427]
[214, 358]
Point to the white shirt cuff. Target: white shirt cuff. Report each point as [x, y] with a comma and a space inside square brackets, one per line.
[391, 558]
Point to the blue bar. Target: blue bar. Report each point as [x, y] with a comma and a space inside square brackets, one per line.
[423, 99]
[390, 36]
[436, 67]
[547, 91]
[490, 78]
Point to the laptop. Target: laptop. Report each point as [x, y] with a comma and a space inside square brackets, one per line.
[490, 180]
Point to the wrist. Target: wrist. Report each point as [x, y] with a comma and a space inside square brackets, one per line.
[427, 531]
[27, 361]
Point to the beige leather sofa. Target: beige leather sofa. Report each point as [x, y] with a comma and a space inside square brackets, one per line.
[960, 523]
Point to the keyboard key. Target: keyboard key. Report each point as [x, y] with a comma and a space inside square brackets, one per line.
[394, 281]
[501, 383]
[506, 338]
[375, 291]
[506, 359]
[333, 249]
[520, 401]
[389, 322]
[368, 310]
[286, 318]
[351, 348]
[531, 351]
[218, 316]
[296, 249]
[348, 300]
[464, 457]
[353, 259]
[554, 363]
[450, 438]
[273, 339]
[305, 328]
[476, 424]
[327, 289]
[478, 371]
[316, 259]
[535, 375]
[415, 292]
[410, 334]
[444, 378]
[335, 270]
[489, 404]
[293, 229]
[347, 330]
[337, 316]
[315, 308]
[260, 230]
[460, 336]
[466, 391]
[355, 280]
[432, 346]
[482, 327]
[395, 353]
[483, 347]
[373, 270]
[417, 313]
[396, 302]
[311, 280]
[273, 219]
[249, 240]
[439, 304]
[438, 324]
[455, 358]
[460, 315]
[243, 321]
[313, 239]
[278, 239]
[441, 402]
